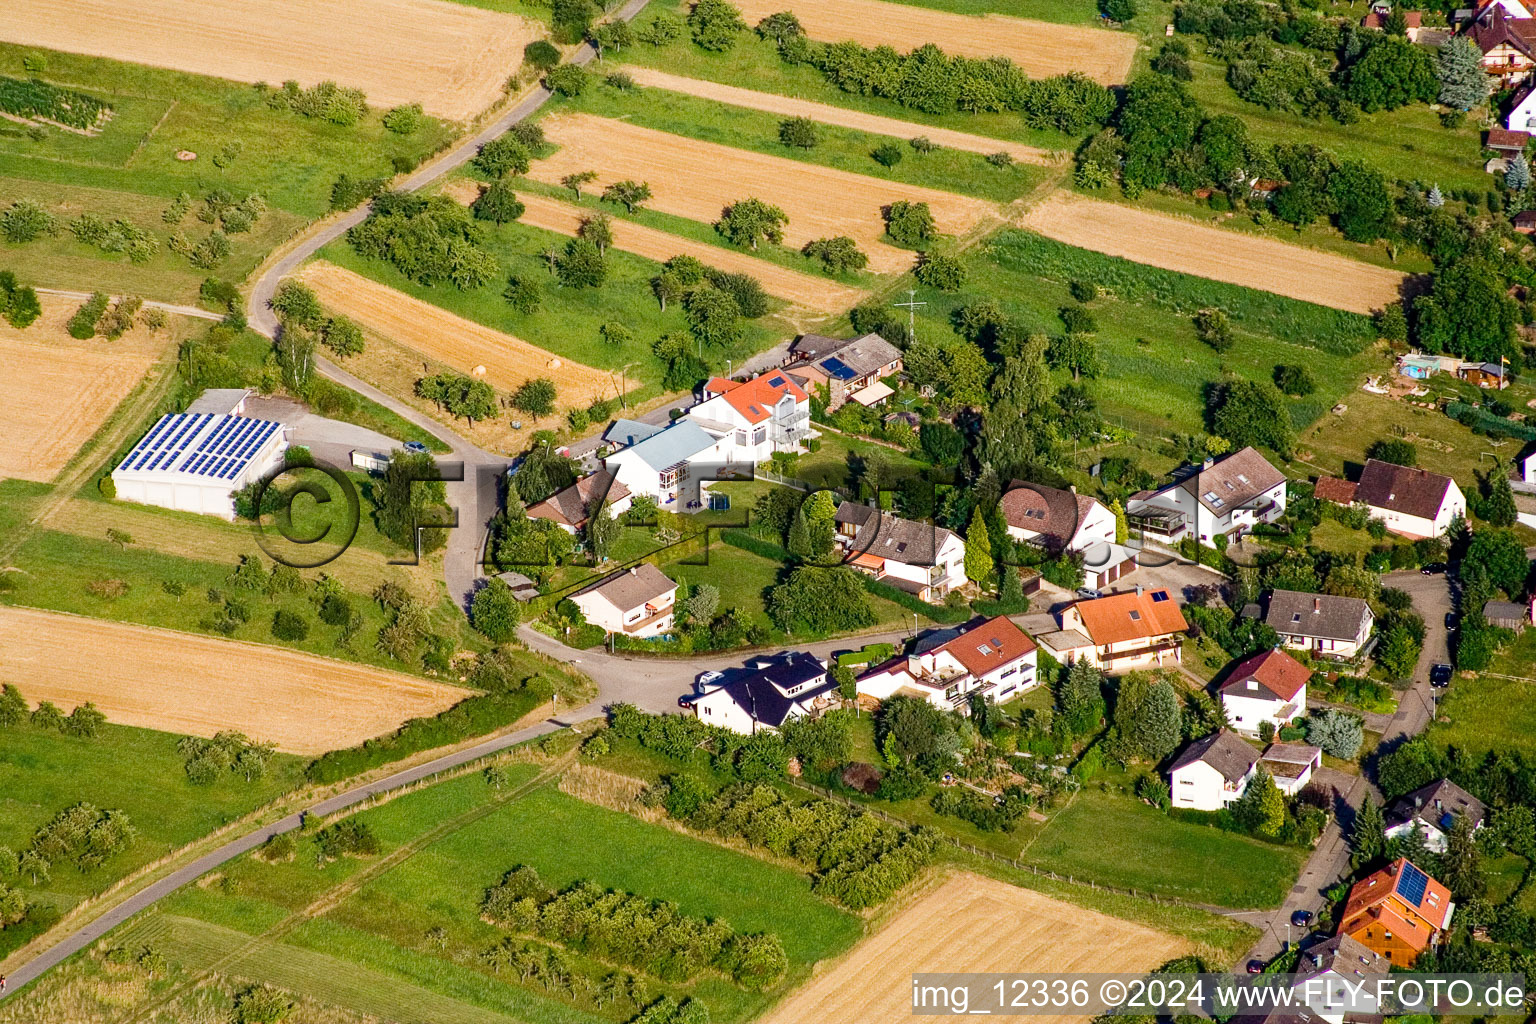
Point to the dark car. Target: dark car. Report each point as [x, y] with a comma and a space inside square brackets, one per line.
[1440, 675]
[1450, 620]
[1301, 918]
[1255, 966]
[415, 447]
[1433, 569]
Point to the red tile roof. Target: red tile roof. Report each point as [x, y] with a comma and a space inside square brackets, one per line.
[991, 645]
[1133, 615]
[1278, 672]
[755, 398]
[1411, 19]
[1503, 138]
[1331, 488]
[1392, 894]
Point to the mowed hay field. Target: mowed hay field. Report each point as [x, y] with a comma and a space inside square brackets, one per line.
[697, 180]
[976, 925]
[815, 293]
[446, 338]
[451, 58]
[199, 685]
[56, 390]
[788, 106]
[1174, 243]
[1041, 49]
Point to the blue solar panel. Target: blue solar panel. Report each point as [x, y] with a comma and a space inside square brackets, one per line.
[1412, 883]
[837, 368]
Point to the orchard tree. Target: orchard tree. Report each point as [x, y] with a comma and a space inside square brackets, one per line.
[1392, 73]
[342, 336]
[523, 295]
[909, 224]
[628, 194]
[581, 264]
[615, 333]
[572, 19]
[1463, 81]
[577, 179]
[597, 228]
[297, 305]
[715, 24]
[567, 80]
[749, 221]
[798, 132]
[535, 397]
[940, 270]
[497, 203]
[713, 316]
[541, 54]
[611, 35]
[839, 254]
[1157, 119]
[24, 308]
[501, 156]
[494, 611]
[781, 26]
[1468, 312]
[1362, 200]
[1248, 412]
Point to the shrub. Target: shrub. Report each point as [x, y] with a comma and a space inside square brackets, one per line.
[887, 154]
[83, 324]
[1000, 159]
[799, 132]
[942, 271]
[909, 224]
[404, 120]
[26, 221]
[541, 54]
[567, 80]
[289, 627]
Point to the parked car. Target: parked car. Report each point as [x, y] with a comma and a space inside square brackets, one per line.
[706, 680]
[415, 447]
[1433, 569]
[1440, 675]
[1255, 966]
[1450, 620]
[1089, 593]
[1302, 918]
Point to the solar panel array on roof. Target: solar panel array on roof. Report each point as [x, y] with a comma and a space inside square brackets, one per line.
[1412, 884]
[837, 368]
[226, 445]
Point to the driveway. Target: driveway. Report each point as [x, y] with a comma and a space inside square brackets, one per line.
[1432, 598]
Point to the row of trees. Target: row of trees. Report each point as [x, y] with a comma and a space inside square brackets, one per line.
[621, 927]
[85, 721]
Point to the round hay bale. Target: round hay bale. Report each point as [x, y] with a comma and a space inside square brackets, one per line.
[185, 155]
[478, 371]
[554, 364]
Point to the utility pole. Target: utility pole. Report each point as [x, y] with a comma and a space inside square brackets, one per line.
[911, 307]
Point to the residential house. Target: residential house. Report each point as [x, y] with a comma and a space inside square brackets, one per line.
[1521, 119]
[1224, 498]
[622, 433]
[770, 693]
[1413, 22]
[922, 559]
[994, 658]
[754, 418]
[1507, 142]
[1434, 809]
[1270, 686]
[1508, 44]
[1291, 765]
[1325, 624]
[849, 368]
[1212, 772]
[1525, 222]
[1505, 614]
[1411, 502]
[1398, 912]
[673, 466]
[1331, 488]
[568, 509]
[1139, 628]
[1333, 977]
[1055, 519]
[637, 602]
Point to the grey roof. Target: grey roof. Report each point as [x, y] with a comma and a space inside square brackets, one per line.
[677, 443]
[1499, 610]
[1232, 482]
[1324, 615]
[1343, 955]
[628, 432]
[1222, 750]
[864, 354]
[632, 587]
[1436, 805]
[886, 536]
[1405, 489]
[218, 400]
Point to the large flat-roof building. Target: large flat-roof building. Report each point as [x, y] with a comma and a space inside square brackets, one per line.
[197, 461]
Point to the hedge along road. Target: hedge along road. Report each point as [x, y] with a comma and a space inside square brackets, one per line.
[475, 496]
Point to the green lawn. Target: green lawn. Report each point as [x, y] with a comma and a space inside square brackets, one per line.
[17, 500]
[130, 170]
[1408, 143]
[754, 64]
[381, 930]
[137, 771]
[1155, 369]
[568, 321]
[1121, 841]
[845, 149]
[1336, 443]
[1485, 714]
[833, 464]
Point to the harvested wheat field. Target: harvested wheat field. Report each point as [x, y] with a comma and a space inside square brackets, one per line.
[446, 338]
[451, 58]
[697, 180]
[56, 390]
[1040, 48]
[809, 291]
[977, 925]
[788, 106]
[1189, 247]
[186, 683]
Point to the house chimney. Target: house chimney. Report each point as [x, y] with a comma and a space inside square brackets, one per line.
[1317, 605]
[1208, 463]
[1138, 590]
[1072, 488]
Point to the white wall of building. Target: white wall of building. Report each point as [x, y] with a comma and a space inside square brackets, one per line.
[1200, 787]
[1246, 714]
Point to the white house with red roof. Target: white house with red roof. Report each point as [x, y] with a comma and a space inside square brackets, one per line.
[755, 418]
[994, 658]
[1267, 687]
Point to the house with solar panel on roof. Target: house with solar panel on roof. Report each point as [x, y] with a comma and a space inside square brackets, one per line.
[196, 461]
[755, 418]
[1398, 912]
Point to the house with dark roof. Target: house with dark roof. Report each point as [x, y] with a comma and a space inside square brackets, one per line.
[849, 368]
[569, 509]
[1055, 519]
[1508, 44]
[755, 418]
[1225, 498]
[1397, 912]
[1140, 628]
[920, 558]
[1270, 686]
[1333, 977]
[1434, 809]
[993, 658]
[769, 693]
[1324, 624]
[638, 602]
[1520, 121]
[1212, 772]
[1412, 502]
